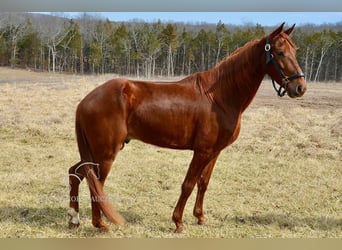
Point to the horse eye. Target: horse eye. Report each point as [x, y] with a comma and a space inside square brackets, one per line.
[280, 53]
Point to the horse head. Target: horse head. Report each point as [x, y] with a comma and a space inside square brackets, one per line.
[282, 65]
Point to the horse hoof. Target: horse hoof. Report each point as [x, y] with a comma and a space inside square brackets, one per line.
[73, 226]
[201, 221]
[179, 229]
[102, 227]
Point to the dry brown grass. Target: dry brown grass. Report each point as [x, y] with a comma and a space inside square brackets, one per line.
[281, 178]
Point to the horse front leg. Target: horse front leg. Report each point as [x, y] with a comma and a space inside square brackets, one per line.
[199, 161]
[74, 181]
[202, 185]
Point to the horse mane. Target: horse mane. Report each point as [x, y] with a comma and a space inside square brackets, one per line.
[234, 72]
[237, 59]
[229, 69]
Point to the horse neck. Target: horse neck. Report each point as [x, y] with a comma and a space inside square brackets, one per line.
[237, 79]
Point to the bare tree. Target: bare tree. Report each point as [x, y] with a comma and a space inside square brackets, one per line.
[52, 33]
[324, 43]
[136, 37]
[87, 25]
[14, 27]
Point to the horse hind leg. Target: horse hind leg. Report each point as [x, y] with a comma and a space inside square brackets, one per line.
[76, 175]
[74, 181]
[104, 168]
[99, 201]
[95, 173]
[99, 144]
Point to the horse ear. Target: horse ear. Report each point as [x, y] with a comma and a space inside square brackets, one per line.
[289, 30]
[277, 31]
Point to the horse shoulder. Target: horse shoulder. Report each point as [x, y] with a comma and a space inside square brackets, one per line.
[230, 130]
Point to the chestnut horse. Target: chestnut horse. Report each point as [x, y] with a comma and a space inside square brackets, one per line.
[202, 113]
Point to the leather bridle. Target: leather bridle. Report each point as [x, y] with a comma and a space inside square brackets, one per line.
[281, 91]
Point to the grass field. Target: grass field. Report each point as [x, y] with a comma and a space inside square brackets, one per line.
[281, 178]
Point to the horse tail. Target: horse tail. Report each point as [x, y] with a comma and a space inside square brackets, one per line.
[86, 169]
[98, 196]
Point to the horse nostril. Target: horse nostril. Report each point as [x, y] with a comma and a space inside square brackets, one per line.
[299, 89]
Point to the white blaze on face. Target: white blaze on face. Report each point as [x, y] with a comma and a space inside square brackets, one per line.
[74, 216]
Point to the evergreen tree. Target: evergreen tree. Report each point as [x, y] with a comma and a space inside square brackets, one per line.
[169, 38]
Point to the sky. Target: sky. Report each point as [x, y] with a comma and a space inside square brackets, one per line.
[236, 18]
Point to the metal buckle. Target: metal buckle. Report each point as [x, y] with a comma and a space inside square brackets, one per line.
[267, 47]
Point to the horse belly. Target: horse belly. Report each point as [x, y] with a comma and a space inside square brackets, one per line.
[161, 126]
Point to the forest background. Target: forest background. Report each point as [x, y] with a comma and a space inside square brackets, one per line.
[92, 45]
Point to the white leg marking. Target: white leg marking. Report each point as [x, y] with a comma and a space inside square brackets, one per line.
[74, 216]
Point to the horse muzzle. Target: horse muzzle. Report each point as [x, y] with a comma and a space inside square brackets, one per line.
[296, 88]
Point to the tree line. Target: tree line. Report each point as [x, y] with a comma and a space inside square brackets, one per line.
[93, 45]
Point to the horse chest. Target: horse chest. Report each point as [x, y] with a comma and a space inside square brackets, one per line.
[233, 130]
[218, 132]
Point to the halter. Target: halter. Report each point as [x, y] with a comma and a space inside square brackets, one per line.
[281, 91]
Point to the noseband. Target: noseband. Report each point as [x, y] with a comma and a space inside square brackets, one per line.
[281, 91]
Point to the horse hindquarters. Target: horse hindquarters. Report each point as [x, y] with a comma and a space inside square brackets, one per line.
[101, 132]
[95, 174]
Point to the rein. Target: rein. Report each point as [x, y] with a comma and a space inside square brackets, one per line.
[281, 91]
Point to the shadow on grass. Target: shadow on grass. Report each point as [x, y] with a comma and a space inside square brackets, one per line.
[132, 217]
[55, 218]
[32, 215]
[290, 222]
